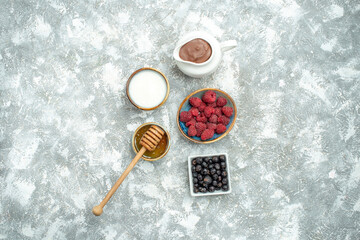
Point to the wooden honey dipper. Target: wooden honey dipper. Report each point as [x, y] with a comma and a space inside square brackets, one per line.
[149, 141]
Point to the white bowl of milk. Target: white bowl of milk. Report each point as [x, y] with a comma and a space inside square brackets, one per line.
[147, 88]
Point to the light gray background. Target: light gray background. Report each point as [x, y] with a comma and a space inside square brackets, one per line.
[66, 124]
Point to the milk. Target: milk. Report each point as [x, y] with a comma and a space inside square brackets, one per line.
[147, 88]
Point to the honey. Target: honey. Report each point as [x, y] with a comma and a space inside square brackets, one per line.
[160, 148]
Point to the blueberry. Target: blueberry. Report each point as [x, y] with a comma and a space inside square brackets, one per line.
[199, 160]
[200, 177]
[206, 159]
[223, 165]
[211, 166]
[225, 187]
[219, 178]
[212, 171]
[198, 168]
[205, 171]
[204, 164]
[196, 190]
[215, 159]
[211, 189]
[193, 168]
[218, 172]
[204, 184]
[214, 183]
[224, 173]
[204, 190]
[195, 174]
[211, 161]
[217, 166]
[224, 181]
[222, 158]
[193, 162]
[215, 176]
[195, 180]
[217, 188]
[207, 179]
[219, 184]
[200, 182]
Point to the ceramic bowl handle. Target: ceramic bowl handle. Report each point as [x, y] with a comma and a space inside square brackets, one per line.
[227, 45]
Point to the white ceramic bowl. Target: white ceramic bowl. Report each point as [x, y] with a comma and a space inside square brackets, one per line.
[198, 70]
[199, 194]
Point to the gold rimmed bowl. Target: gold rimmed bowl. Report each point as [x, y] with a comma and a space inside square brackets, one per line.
[161, 150]
[128, 87]
[185, 106]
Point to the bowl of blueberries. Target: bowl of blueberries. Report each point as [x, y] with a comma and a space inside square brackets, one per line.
[209, 175]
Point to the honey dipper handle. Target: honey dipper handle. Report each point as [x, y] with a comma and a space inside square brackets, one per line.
[97, 210]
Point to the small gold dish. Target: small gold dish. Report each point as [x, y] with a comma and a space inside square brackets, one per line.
[160, 151]
[148, 91]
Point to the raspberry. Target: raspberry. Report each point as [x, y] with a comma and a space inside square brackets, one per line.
[208, 111]
[200, 126]
[212, 104]
[211, 126]
[228, 111]
[220, 102]
[191, 122]
[194, 111]
[220, 128]
[202, 107]
[213, 118]
[224, 120]
[185, 116]
[192, 131]
[209, 97]
[218, 111]
[201, 118]
[195, 101]
[207, 134]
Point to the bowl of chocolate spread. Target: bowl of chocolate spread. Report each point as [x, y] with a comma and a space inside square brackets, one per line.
[198, 54]
[195, 51]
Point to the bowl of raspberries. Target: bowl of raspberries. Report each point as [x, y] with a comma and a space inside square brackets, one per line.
[206, 115]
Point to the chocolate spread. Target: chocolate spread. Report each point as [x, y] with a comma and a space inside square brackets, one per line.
[197, 50]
